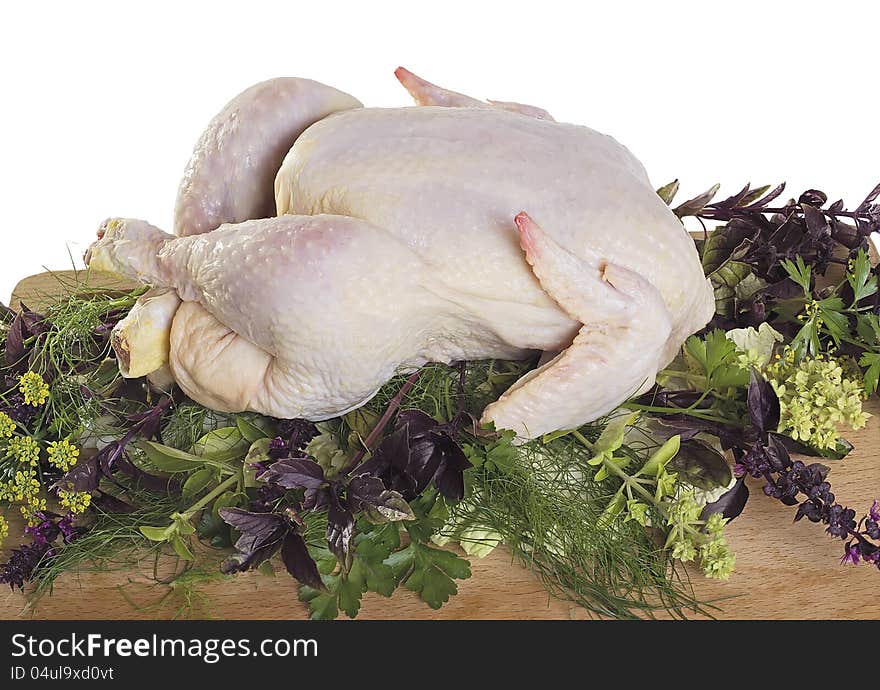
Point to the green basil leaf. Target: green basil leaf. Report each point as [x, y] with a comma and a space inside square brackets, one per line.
[197, 482]
[167, 459]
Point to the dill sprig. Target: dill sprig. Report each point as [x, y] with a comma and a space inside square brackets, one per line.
[548, 510]
[112, 542]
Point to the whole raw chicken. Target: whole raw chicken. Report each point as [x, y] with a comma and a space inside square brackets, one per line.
[454, 230]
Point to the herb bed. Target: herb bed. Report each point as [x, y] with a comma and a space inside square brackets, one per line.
[552, 501]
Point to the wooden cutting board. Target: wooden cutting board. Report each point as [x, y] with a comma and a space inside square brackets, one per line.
[784, 570]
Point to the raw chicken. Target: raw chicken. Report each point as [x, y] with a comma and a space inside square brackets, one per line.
[400, 240]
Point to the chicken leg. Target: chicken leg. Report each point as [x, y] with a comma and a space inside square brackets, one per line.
[230, 174]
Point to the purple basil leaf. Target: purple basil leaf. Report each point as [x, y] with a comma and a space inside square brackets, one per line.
[84, 477]
[392, 453]
[763, 404]
[110, 504]
[299, 563]
[248, 560]
[295, 473]
[700, 465]
[449, 479]
[364, 490]
[425, 458]
[418, 422]
[872, 195]
[770, 196]
[813, 197]
[817, 224]
[257, 529]
[15, 349]
[367, 494]
[317, 500]
[340, 528]
[731, 503]
[777, 454]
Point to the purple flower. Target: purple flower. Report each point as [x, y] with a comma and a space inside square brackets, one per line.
[841, 521]
[851, 555]
[298, 432]
[277, 448]
[44, 532]
[65, 526]
[875, 511]
[22, 564]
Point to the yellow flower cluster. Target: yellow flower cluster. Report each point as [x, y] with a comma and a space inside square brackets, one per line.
[34, 389]
[24, 488]
[63, 454]
[7, 426]
[75, 501]
[4, 529]
[30, 510]
[814, 397]
[24, 449]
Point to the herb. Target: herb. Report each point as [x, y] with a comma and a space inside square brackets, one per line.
[795, 483]
[745, 257]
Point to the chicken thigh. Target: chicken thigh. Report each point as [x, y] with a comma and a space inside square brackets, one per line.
[401, 239]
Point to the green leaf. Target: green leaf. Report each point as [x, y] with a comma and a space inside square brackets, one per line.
[183, 523]
[375, 575]
[349, 591]
[429, 572]
[228, 499]
[692, 207]
[860, 278]
[799, 272]
[324, 559]
[266, 569]
[615, 507]
[700, 465]
[727, 243]
[168, 459]
[322, 605]
[638, 511]
[716, 355]
[612, 435]
[222, 445]
[157, 534]
[181, 548]
[197, 482]
[249, 431]
[868, 328]
[836, 324]
[726, 281]
[661, 456]
[668, 191]
[871, 360]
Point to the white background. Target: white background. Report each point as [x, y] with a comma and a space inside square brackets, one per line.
[102, 101]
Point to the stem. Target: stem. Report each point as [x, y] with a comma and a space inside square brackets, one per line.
[686, 375]
[680, 410]
[219, 489]
[383, 421]
[633, 484]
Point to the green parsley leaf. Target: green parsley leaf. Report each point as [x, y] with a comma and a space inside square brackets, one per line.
[872, 375]
[799, 272]
[860, 279]
[429, 572]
